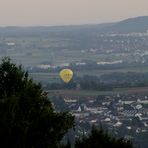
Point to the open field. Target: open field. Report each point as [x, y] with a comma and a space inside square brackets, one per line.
[91, 93]
[45, 77]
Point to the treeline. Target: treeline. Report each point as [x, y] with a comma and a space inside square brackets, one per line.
[129, 79]
[84, 83]
[98, 138]
[106, 82]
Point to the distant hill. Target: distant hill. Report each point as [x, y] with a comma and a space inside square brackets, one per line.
[138, 24]
[47, 29]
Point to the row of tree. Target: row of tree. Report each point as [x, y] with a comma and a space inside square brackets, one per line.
[106, 82]
[84, 83]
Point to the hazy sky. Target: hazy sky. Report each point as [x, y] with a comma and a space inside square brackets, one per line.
[65, 12]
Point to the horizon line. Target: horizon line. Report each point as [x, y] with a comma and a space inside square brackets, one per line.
[69, 25]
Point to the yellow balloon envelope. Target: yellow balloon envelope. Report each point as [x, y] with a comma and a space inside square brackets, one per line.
[66, 75]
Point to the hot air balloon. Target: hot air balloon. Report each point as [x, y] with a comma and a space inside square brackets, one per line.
[66, 75]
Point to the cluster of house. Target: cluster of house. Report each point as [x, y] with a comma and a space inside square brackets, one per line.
[121, 112]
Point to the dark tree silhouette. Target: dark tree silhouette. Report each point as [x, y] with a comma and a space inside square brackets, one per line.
[98, 138]
[27, 119]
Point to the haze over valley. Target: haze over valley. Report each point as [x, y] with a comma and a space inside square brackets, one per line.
[124, 43]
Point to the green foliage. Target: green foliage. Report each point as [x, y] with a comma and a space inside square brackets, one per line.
[98, 138]
[93, 83]
[84, 83]
[27, 119]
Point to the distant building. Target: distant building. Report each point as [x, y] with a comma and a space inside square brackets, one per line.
[44, 66]
[11, 44]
